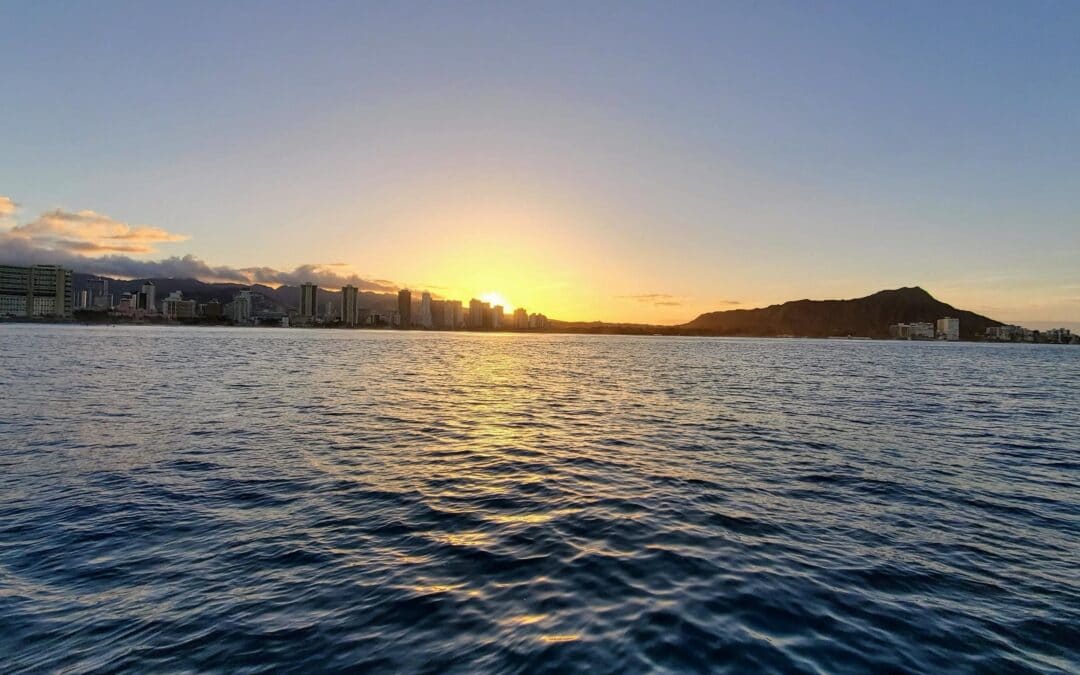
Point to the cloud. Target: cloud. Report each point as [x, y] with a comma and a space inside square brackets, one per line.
[93, 243]
[321, 274]
[7, 207]
[89, 232]
[655, 299]
[648, 297]
[21, 252]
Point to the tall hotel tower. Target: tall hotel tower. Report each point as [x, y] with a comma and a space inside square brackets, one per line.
[348, 305]
[425, 310]
[308, 294]
[404, 308]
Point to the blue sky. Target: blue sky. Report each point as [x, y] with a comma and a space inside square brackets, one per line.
[598, 160]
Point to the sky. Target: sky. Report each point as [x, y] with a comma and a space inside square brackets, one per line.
[595, 161]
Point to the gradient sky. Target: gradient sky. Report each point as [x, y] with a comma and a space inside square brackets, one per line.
[615, 161]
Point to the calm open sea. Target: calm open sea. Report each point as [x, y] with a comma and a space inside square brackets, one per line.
[271, 500]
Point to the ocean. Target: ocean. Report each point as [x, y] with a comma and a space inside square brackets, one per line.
[276, 500]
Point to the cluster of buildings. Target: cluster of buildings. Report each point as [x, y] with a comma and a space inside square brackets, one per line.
[46, 291]
[173, 307]
[1059, 336]
[947, 328]
[430, 314]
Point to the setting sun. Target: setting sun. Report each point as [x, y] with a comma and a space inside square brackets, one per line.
[497, 299]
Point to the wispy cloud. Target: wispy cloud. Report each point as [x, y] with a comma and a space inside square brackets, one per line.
[648, 297]
[7, 207]
[89, 232]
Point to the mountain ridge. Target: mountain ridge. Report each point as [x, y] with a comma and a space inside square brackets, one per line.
[867, 316]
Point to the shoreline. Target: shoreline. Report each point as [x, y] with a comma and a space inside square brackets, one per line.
[631, 333]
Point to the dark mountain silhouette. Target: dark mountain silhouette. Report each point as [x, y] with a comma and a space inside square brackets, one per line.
[868, 317]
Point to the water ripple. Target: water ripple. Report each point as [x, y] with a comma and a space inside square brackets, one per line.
[267, 500]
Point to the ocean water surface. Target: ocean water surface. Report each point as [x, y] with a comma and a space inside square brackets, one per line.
[298, 500]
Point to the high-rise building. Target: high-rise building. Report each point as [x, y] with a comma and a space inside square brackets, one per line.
[476, 314]
[496, 317]
[521, 318]
[438, 314]
[175, 307]
[425, 310]
[150, 292]
[38, 290]
[454, 315]
[99, 293]
[404, 308]
[243, 307]
[349, 315]
[127, 304]
[948, 329]
[168, 305]
[309, 294]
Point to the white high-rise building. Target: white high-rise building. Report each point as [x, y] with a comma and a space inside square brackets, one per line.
[243, 307]
[151, 292]
[425, 310]
[948, 329]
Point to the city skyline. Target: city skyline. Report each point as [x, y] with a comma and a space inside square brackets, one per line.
[50, 292]
[646, 166]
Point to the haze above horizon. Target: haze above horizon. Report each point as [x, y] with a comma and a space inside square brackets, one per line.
[618, 161]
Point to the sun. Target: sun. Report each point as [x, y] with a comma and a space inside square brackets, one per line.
[496, 299]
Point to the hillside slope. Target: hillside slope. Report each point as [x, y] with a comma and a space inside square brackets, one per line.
[869, 316]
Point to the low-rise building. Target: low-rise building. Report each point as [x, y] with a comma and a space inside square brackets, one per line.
[948, 328]
[912, 331]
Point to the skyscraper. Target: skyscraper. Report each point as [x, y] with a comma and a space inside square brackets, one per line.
[455, 315]
[476, 314]
[404, 308]
[150, 290]
[348, 305]
[99, 293]
[438, 315]
[497, 317]
[243, 306]
[425, 310]
[308, 294]
[521, 318]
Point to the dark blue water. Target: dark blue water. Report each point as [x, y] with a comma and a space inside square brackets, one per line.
[298, 500]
